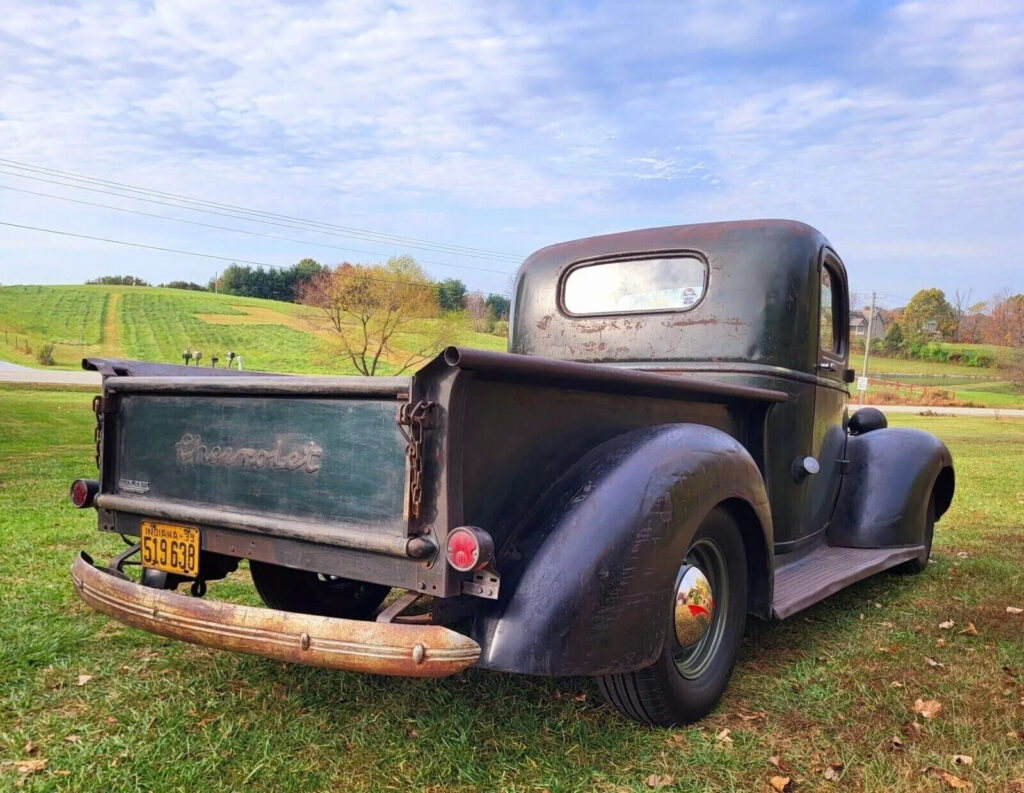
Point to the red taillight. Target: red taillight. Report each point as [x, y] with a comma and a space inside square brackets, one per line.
[469, 548]
[83, 492]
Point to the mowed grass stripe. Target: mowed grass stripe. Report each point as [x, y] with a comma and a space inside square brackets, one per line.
[160, 715]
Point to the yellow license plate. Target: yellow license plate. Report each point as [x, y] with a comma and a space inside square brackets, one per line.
[168, 547]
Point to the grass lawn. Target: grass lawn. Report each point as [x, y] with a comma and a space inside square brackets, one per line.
[111, 708]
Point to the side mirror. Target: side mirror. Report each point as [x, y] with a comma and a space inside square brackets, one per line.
[849, 375]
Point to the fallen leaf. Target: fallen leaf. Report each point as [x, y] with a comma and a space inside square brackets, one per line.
[31, 766]
[940, 642]
[911, 730]
[779, 763]
[929, 708]
[832, 771]
[962, 555]
[679, 737]
[780, 783]
[581, 697]
[83, 679]
[895, 744]
[962, 759]
[30, 748]
[1014, 610]
[950, 779]
[759, 715]
[62, 772]
[656, 781]
[947, 625]
[723, 736]
[933, 663]
[73, 738]
[970, 630]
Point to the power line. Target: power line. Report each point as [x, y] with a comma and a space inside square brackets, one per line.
[199, 205]
[232, 259]
[178, 206]
[239, 230]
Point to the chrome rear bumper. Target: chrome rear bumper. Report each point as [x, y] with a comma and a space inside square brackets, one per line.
[352, 645]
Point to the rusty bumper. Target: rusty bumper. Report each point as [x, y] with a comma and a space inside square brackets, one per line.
[353, 645]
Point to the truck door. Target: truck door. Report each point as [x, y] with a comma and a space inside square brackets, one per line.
[830, 394]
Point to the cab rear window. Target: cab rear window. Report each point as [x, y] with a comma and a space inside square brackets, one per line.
[675, 283]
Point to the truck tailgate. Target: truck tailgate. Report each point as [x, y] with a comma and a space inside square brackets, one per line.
[328, 455]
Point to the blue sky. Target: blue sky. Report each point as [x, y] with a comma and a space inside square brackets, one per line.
[895, 128]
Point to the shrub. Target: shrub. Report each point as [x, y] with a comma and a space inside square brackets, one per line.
[44, 355]
[501, 328]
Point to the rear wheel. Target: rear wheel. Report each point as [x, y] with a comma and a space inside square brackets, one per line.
[920, 562]
[706, 615]
[314, 593]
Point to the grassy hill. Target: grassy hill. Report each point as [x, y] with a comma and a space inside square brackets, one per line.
[154, 324]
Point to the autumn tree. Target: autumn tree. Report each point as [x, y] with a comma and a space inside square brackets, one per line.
[1006, 326]
[379, 314]
[926, 307]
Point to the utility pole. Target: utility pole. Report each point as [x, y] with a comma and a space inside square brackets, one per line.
[867, 345]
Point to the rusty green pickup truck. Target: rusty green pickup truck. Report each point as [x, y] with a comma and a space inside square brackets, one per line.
[665, 449]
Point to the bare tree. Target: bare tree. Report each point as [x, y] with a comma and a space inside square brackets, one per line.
[961, 303]
[476, 308]
[379, 315]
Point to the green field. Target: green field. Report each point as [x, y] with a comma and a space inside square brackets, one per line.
[111, 708]
[154, 324]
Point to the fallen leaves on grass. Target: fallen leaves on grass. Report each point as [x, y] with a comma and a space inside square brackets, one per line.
[894, 744]
[1014, 610]
[832, 771]
[31, 766]
[759, 715]
[911, 730]
[83, 679]
[896, 684]
[660, 780]
[73, 738]
[723, 736]
[780, 783]
[779, 763]
[951, 780]
[933, 663]
[929, 708]
[30, 748]
[946, 625]
[962, 759]
[940, 642]
[970, 630]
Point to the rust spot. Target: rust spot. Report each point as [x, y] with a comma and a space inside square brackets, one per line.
[543, 324]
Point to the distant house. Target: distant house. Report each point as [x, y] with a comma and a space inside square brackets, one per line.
[859, 324]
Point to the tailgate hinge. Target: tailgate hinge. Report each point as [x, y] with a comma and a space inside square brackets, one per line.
[417, 419]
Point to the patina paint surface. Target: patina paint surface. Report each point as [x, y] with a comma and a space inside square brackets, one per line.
[323, 459]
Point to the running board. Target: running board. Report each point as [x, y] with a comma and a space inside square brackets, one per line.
[814, 576]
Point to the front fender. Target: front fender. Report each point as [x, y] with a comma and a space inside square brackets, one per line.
[587, 577]
[884, 496]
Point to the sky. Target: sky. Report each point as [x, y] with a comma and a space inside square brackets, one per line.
[469, 134]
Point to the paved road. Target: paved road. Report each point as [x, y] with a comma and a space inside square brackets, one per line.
[12, 373]
[944, 411]
[12, 367]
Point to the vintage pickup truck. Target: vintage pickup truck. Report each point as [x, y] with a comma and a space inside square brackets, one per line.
[665, 450]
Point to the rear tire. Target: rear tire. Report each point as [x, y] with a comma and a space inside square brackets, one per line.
[920, 562]
[684, 684]
[313, 593]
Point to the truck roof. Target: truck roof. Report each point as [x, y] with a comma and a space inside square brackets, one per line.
[759, 303]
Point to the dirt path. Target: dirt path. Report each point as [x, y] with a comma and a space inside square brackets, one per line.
[111, 339]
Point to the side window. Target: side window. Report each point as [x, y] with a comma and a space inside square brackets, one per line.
[827, 341]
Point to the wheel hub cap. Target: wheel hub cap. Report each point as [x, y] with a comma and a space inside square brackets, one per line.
[695, 606]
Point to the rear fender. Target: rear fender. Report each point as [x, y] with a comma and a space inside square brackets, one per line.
[587, 577]
[884, 496]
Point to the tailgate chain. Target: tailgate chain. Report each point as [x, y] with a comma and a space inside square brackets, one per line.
[415, 418]
[97, 408]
